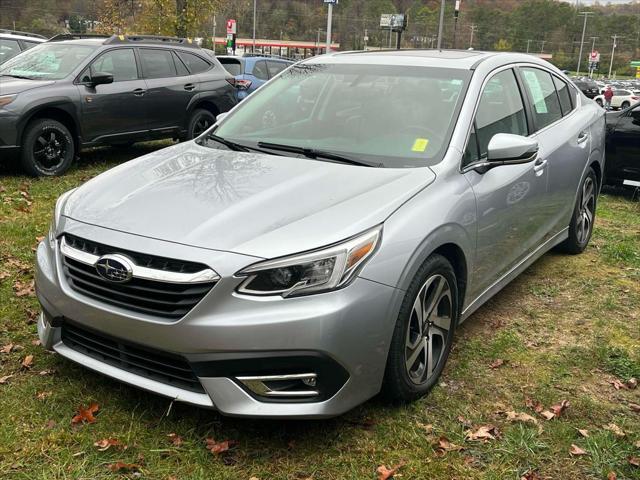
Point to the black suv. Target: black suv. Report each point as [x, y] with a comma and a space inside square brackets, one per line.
[588, 87]
[81, 91]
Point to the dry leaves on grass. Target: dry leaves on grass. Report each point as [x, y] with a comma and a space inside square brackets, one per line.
[531, 475]
[123, 467]
[175, 439]
[217, 448]
[106, 443]
[576, 450]
[612, 476]
[444, 446]
[634, 407]
[428, 428]
[615, 429]
[635, 461]
[617, 384]
[27, 362]
[483, 433]
[86, 415]
[4, 275]
[385, 473]
[24, 289]
[632, 383]
[583, 432]
[7, 348]
[43, 395]
[5, 379]
[497, 363]
[534, 405]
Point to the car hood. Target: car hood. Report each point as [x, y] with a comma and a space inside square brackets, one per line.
[254, 204]
[12, 86]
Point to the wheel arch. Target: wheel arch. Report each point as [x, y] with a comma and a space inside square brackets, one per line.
[59, 112]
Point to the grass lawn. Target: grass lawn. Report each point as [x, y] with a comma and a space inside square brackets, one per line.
[568, 329]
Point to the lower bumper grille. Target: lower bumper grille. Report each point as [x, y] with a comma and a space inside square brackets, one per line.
[152, 364]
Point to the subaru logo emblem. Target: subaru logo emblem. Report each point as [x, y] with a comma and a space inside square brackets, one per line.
[115, 268]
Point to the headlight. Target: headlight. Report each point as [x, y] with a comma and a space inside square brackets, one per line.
[57, 212]
[6, 100]
[312, 272]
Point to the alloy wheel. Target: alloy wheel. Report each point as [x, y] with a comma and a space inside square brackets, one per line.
[428, 331]
[201, 124]
[587, 211]
[50, 149]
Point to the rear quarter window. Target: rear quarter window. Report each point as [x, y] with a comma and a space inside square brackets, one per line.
[194, 63]
[231, 65]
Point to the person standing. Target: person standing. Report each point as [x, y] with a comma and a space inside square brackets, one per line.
[608, 95]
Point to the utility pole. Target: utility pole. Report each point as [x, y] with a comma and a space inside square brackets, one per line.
[329, 20]
[441, 24]
[473, 28]
[214, 34]
[528, 43]
[542, 48]
[456, 14]
[255, 14]
[613, 51]
[584, 30]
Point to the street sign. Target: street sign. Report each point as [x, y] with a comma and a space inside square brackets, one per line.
[396, 21]
[335, 2]
[594, 56]
[232, 26]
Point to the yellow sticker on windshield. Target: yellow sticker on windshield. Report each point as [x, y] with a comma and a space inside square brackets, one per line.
[420, 145]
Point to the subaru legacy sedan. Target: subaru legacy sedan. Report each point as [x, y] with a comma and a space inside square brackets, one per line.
[321, 243]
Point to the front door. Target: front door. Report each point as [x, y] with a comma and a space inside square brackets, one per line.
[114, 111]
[509, 222]
[623, 163]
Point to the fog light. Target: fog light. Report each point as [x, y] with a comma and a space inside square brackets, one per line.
[282, 386]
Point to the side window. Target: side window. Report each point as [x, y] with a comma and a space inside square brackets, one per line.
[120, 63]
[28, 44]
[276, 67]
[544, 99]
[260, 70]
[157, 63]
[180, 67]
[501, 110]
[8, 49]
[564, 95]
[194, 63]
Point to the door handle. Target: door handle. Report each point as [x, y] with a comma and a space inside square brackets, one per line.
[540, 165]
[582, 137]
[139, 92]
[189, 87]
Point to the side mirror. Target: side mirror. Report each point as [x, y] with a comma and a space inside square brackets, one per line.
[221, 116]
[101, 79]
[508, 149]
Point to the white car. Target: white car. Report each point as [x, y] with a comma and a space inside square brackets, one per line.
[621, 99]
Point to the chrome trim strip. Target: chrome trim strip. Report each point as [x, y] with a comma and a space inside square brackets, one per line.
[256, 385]
[203, 276]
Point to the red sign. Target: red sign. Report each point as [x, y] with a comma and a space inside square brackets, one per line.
[595, 56]
[231, 26]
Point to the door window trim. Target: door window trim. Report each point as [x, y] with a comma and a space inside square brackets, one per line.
[211, 65]
[530, 103]
[78, 79]
[142, 70]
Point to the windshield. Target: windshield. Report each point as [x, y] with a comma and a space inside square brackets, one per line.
[394, 116]
[47, 61]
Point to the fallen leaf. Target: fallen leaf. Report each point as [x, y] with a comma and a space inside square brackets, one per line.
[576, 450]
[637, 444]
[498, 362]
[635, 461]
[385, 473]
[86, 415]
[123, 467]
[531, 475]
[615, 429]
[36, 343]
[534, 405]
[42, 373]
[632, 383]
[464, 421]
[23, 289]
[583, 432]
[7, 348]
[444, 445]
[5, 379]
[612, 476]
[617, 384]
[4, 275]
[106, 443]
[521, 417]
[43, 395]
[175, 439]
[635, 407]
[558, 408]
[27, 362]
[483, 433]
[217, 448]
[427, 428]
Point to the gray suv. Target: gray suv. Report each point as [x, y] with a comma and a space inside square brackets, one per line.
[322, 242]
[77, 91]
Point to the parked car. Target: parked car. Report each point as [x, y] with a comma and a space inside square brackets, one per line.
[588, 87]
[253, 71]
[72, 92]
[621, 99]
[13, 42]
[323, 240]
[623, 146]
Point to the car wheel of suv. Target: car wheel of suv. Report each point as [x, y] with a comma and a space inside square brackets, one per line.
[201, 120]
[625, 105]
[424, 332]
[584, 215]
[47, 148]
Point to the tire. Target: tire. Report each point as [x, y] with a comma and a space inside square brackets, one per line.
[406, 380]
[200, 121]
[47, 148]
[584, 216]
[625, 105]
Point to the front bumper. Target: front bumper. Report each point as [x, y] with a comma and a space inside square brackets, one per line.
[343, 335]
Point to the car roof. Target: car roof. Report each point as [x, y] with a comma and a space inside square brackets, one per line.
[14, 36]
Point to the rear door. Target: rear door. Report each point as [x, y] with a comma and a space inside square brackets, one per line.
[115, 110]
[260, 73]
[563, 131]
[170, 87]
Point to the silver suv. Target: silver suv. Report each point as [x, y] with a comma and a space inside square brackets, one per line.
[13, 42]
[321, 243]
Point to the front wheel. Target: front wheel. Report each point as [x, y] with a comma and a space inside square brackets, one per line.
[423, 334]
[47, 148]
[584, 215]
[199, 122]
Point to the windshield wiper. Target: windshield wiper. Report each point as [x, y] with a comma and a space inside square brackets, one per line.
[237, 147]
[314, 153]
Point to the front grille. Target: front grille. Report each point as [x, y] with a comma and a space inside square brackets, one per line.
[159, 366]
[151, 297]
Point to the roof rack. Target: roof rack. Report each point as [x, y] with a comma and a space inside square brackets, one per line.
[184, 42]
[24, 34]
[75, 36]
[268, 55]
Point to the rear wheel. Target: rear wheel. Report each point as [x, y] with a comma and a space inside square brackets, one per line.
[47, 148]
[200, 121]
[625, 105]
[584, 215]
[424, 332]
